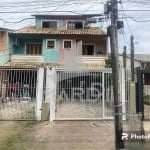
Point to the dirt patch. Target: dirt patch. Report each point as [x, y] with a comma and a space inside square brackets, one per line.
[66, 135]
[74, 135]
[61, 135]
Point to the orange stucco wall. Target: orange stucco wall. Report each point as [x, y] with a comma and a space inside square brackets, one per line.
[3, 41]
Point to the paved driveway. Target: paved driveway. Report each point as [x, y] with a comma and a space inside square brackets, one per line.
[83, 109]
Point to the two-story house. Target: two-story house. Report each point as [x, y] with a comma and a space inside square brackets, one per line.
[61, 39]
[56, 41]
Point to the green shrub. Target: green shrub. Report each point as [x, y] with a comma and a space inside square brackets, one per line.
[147, 99]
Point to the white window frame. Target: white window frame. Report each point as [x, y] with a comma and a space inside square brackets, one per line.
[49, 21]
[64, 44]
[50, 40]
[74, 21]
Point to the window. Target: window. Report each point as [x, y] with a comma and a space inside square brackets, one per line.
[99, 51]
[67, 44]
[75, 25]
[49, 24]
[50, 44]
[88, 50]
[34, 48]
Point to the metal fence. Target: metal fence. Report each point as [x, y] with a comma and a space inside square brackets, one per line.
[143, 93]
[17, 93]
[146, 95]
[72, 93]
[82, 94]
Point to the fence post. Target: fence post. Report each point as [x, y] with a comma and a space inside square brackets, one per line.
[103, 94]
[123, 91]
[52, 93]
[132, 99]
[39, 93]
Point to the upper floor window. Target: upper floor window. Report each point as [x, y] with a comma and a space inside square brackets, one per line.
[49, 24]
[50, 44]
[75, 25]
[68, 44]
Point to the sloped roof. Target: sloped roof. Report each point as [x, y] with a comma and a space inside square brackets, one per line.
[65, 15]
[139, 57]
[5, 29]
[142, 57]
[46, 31]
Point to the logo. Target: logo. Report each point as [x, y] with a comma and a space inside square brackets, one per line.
[124, 136]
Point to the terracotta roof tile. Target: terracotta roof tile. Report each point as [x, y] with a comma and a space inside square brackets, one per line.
[50, 65]
[33, 30]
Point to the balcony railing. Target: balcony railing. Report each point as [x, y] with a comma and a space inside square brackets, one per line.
[26, 58]
[92, 59]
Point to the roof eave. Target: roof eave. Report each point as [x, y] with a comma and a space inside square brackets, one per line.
[61, 35]
[82, 16]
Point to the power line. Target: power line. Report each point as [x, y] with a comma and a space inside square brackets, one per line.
[144, 10]
[123, 13]
[138, 20]
[15, 21]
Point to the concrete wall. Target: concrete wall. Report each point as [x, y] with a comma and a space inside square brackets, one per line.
[4, 57]
[3, 41]
[50, 55]
[20, 48]
[67, 55]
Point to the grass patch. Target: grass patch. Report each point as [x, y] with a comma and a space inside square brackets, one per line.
[147, 99]
[14, 142]
[18, 139]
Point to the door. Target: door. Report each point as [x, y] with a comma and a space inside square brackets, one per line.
[34, 49]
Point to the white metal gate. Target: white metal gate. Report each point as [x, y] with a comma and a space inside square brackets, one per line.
[17, 93]
[82, 94]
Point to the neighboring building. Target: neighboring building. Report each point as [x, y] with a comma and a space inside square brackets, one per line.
[141, 61]
[137, 62]
[144, 59]
[59, 39]
[4, 54]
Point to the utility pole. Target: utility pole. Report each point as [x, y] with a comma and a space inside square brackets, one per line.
[115, 74]
[132, 57]
[124, 57]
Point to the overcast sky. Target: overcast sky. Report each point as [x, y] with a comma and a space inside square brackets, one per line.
[135, 22]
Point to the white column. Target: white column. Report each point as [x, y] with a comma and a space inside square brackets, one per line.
[52, 92]
[123, 94]
[103, 95]
[39, 93]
